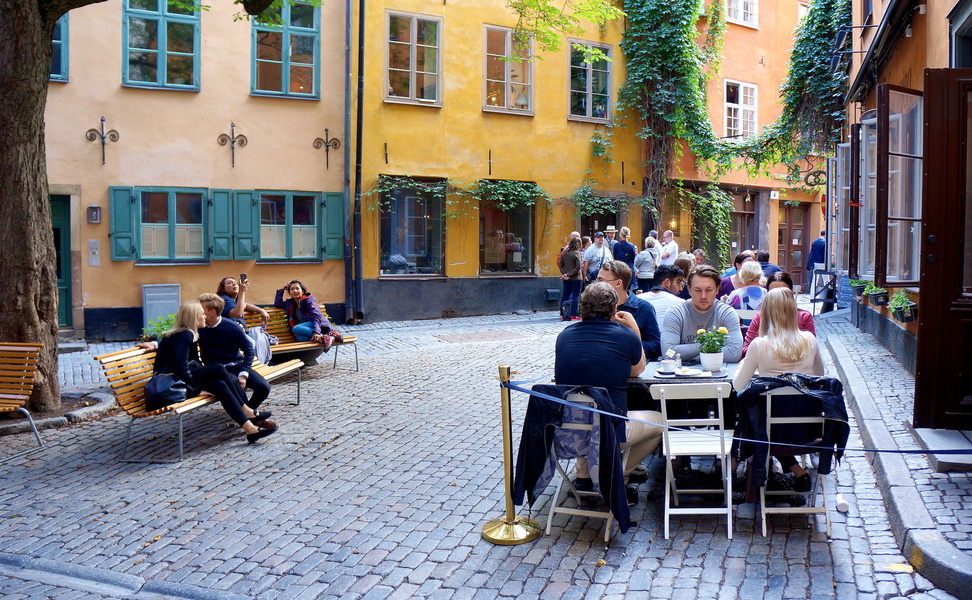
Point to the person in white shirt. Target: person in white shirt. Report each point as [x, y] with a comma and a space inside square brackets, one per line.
[667, 283]
[781, 348]
[596, 255]
[669, 248]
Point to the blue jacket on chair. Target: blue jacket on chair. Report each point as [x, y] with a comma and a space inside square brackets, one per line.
[533, 458]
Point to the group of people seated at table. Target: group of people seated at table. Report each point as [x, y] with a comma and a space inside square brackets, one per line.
[619, 333]
[209, 350]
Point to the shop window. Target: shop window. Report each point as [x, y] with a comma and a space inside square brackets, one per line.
[868, 210]
[590, 83]
[286, 58]
[412, 231]
[161, 41]
[505, 239]
[842, 199]
[508, 85]
[413, 59]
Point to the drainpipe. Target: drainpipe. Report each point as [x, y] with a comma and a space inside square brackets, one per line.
[348, 289]
[358, 106]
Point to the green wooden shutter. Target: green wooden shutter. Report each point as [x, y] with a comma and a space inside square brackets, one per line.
[333, 209]
[221, 225]
[246, 219]
[123, 210]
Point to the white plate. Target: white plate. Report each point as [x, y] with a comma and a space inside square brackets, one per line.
[687, 372]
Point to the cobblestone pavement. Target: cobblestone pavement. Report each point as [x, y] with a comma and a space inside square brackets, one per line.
[377, 486]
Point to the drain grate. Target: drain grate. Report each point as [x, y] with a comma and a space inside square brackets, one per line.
[481, 336]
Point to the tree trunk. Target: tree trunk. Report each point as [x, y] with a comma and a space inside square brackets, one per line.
[28, 270]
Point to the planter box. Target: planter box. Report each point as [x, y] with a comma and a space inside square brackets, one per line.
[878, 299]
[906, 314]
[858, 290]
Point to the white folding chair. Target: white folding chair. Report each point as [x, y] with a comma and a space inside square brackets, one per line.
[577, 420]
[745, 317]
[715, 441]
[820, 481]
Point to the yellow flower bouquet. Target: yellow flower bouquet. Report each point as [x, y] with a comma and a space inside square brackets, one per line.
[711, 341]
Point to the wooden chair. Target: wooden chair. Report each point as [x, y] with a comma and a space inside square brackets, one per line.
[682, 441]
[813, 418]
[18, 371]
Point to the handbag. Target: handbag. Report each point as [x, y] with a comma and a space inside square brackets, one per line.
[162, 390]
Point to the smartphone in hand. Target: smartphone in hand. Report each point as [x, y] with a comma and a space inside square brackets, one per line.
[242, 277]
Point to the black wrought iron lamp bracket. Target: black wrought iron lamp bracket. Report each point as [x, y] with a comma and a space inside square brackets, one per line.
[233, 140]
[94, 135]
[327, 142]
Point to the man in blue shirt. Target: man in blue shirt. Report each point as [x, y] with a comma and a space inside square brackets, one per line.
[618, 275]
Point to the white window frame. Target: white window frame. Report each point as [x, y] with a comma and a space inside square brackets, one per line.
[740, 109]
[412, 99]
[508, 84]
[738, 8]
[607, 50]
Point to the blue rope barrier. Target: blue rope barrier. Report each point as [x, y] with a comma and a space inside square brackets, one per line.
[514, 385]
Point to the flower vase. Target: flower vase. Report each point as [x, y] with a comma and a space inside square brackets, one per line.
[711, 361]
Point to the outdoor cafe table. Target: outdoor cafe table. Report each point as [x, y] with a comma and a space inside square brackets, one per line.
[640, 399]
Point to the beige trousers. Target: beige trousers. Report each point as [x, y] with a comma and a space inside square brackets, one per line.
[642, 441]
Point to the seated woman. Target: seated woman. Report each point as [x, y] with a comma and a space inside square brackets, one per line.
[233, 293]
[730, 279]
[750, 295]
[177, 354]
[780, 279]
[304, 316]
[781, 348]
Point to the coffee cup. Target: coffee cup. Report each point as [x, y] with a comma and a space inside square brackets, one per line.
[667, 366]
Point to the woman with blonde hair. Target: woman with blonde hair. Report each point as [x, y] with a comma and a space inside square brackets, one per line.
[750, 295]
[781, 348]
[177, 354]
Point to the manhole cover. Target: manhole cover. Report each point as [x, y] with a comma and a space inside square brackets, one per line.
[482, 336]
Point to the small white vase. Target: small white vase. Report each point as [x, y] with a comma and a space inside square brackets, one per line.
[711, 361]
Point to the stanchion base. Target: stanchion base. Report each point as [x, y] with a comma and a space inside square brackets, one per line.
[521, 530]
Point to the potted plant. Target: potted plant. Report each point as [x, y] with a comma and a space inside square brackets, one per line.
[876, 295]
[711, 343]
[857, 287]
[156, 327]
[902, 308]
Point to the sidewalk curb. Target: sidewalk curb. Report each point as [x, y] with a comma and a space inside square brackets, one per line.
[926, 548]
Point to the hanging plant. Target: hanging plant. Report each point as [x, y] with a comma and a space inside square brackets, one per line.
[711, 219]
[457, 201]
[509, 194]
[255, 7]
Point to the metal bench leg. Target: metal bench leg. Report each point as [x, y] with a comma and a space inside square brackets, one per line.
[128, 433]
[298, 387]
[336, 348]
[40, 443]
[356, 369]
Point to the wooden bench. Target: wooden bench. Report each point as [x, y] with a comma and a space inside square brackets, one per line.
[288, 344]
[18, 371]
[129, 370]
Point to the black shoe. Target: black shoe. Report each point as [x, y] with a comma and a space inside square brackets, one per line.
[251, 438]
[639, 475]
[802, 483]
[261, 416]
[631, 492]
[583, 484]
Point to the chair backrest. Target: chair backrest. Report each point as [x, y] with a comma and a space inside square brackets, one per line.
[812, 415]
[578, 418]
[745, 315]
[663, 392]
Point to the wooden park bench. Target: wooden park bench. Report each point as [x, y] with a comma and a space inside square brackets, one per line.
[129, 370]
[288, 345]
[18, 371]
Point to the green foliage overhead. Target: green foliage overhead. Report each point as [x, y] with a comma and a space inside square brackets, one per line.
[508, 194]
[458, 199]
[712, 220]
[547, 21]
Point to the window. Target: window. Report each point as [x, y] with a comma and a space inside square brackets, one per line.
[590, 83]
[742, 12]
[413, 59]
[158, 224]
[842, 200]
[740, 109]
[868, 210]
[742, 232]
[411, 231]
[161, 43]
[899, 200]
[59, 50]
[288, 225]
[505, 239]
[286, 58]
[508, 72]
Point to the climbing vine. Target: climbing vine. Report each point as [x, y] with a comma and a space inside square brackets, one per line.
[457, 199]
[712, 220]
[509, 194]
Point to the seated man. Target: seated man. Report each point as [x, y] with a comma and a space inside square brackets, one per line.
[604, 349]
[223, 341]
[702, 311]
[618, 275]
[668, 283]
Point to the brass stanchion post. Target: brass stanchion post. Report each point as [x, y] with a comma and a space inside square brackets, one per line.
[511, 529]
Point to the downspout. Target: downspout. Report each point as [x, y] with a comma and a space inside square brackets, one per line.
[359, 110]
[348, 289]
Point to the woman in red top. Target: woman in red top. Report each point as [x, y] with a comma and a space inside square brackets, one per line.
[804, 318]
[304, 316]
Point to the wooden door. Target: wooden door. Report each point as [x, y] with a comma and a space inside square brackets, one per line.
[792, 242]
[61, 224]
[943, 380]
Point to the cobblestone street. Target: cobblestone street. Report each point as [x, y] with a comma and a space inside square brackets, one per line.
[377, 486]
